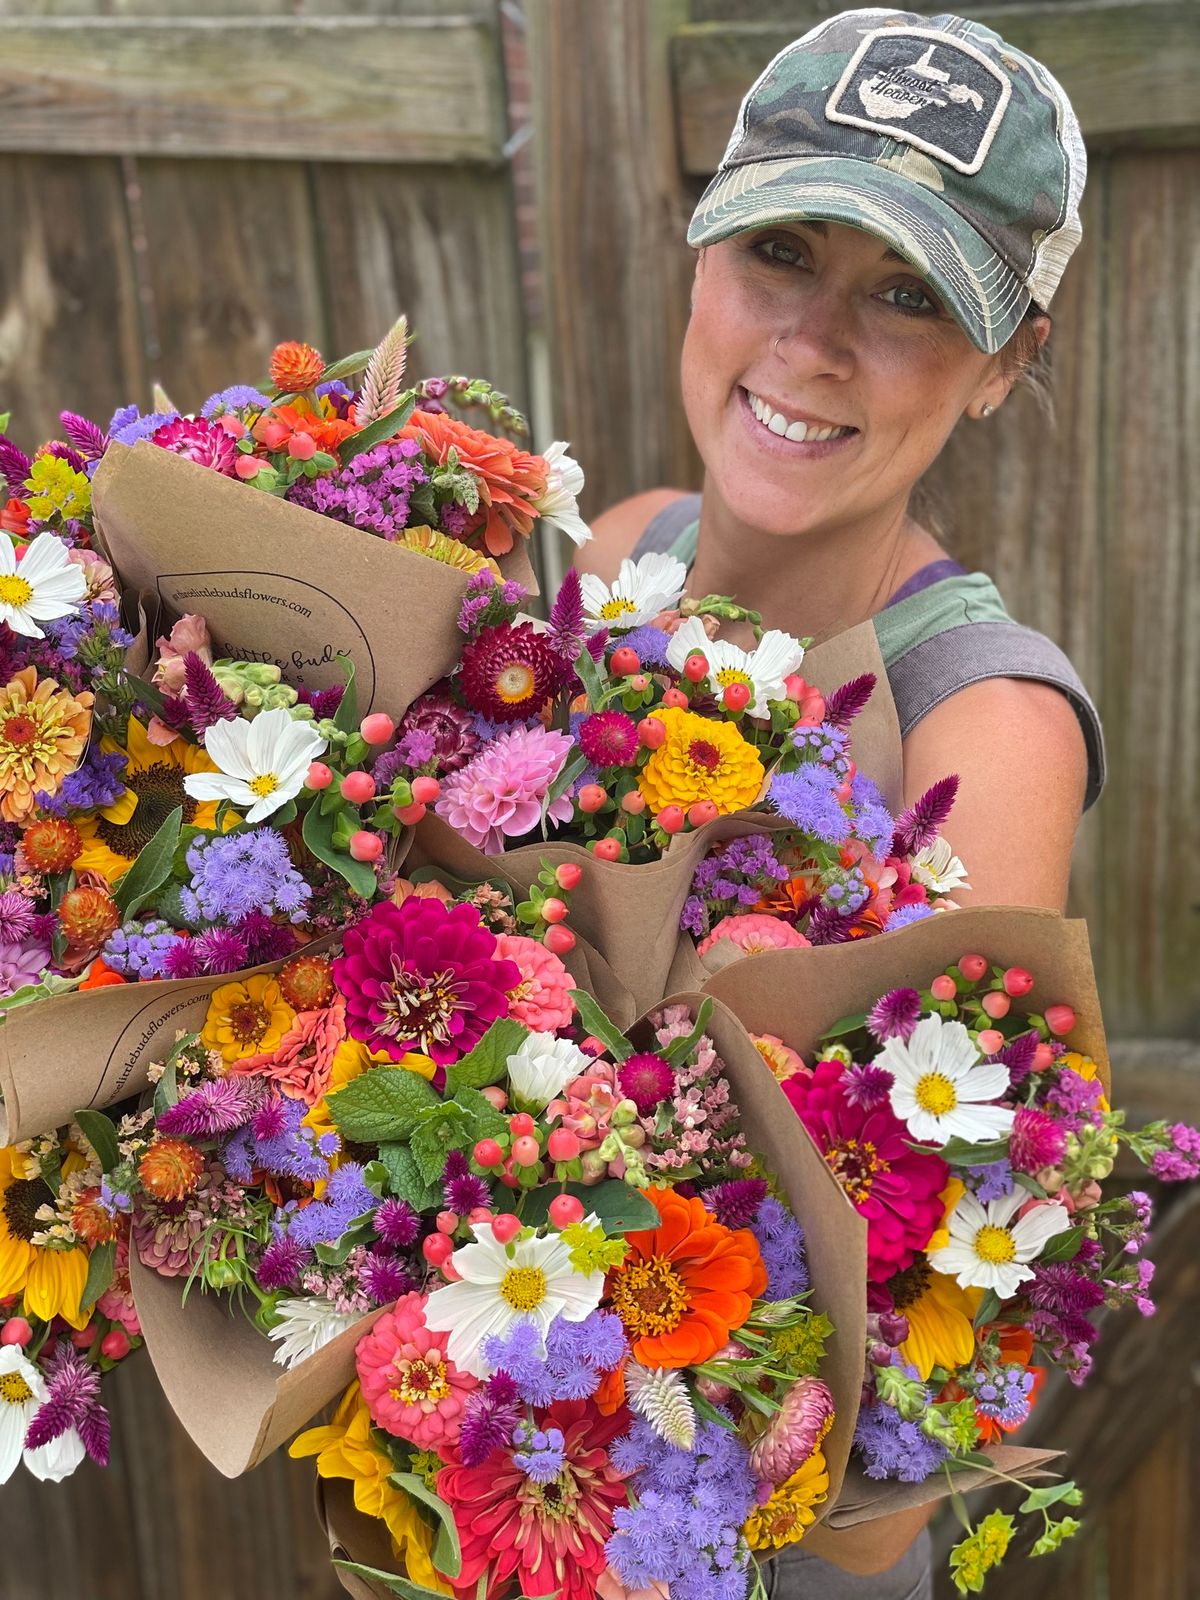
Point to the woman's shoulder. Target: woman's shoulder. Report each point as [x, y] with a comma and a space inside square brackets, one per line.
[616, 532]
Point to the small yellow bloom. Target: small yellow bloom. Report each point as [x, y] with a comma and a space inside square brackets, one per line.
[975, 1556]
[450, 552]
[55, 487]
[246, 1018]
[700, 759]
[1085, 1067]
[789, 1513]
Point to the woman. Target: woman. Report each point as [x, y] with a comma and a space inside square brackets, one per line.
[877, 253]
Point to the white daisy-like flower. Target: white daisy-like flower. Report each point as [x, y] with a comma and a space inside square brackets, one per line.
[307, 1325]
[542, 1068]
[22, 1392]
[263, 762]
[939, 1081]
[642, 589]
[530, 1279]
[989, 1250]
[938, 868]
[763, 669]
[57, 1460]
[560, 503]
[45, 584]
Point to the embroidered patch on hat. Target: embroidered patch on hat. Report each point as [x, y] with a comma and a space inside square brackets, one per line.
[942, 95]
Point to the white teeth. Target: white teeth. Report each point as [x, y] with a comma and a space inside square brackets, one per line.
[777, 422]
[797, 432]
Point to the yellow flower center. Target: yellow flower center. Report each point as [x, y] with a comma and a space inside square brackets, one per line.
[523, 1287]
[650, 1298]
[856, 1166]
[728, 675]
[421, 1380]
[616, 608]
[265, 784]
[936, 1094]
[995, 1245]
[15, 591]
[515, 682]
[14, 1389]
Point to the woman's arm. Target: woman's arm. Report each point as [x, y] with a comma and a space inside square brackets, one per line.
[1019, 753]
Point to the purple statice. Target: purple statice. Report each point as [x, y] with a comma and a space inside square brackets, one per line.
[384, 1278]
[735, 1203]
[371, 492]
[826, 743]
[72, 1402]
[1181, 1161]
[138, 950]
[463, 1191]
[1005, 1396]
[453, 517]
[806, 798]
[538, 1453]
[489, 1419]
[1078, 1098]
[731, 879]
[872, 821]
[96, 782]
[281, 1263]
[472, 611]
[16, 916]
[217, 1106]
[128, 425]
[264, 939]
[991, 1182]
[218, 951]
[693, 918]
[397, 1224]
[237, 874]
[895, 1015]
[905, 916]
[287, 1150]
[890, 1447]
[345, 1200]
[781, 1243]
[238, 397]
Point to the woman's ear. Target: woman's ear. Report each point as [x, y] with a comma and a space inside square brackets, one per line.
[1017, 356]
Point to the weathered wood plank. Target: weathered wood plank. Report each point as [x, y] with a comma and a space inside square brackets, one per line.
[1130, 69]
[359, 88]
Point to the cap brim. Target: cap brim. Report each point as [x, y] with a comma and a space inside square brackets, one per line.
[981, 291]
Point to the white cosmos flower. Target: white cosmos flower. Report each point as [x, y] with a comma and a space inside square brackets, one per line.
[22, 1392]
[939, 1079]
[542, 1068]
[560, 503]
[528, 1280]
[308, 1325]
[57, 1460]
[263, 763]
[938, 868]
[44, 585]
[988, 1250]
[762, 669]
[642, 589]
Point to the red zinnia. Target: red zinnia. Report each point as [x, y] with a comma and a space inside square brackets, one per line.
[509, 672]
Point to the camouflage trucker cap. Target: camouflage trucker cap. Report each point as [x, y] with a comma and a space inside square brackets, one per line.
[931, 132]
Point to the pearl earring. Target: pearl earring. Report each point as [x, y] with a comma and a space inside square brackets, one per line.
[985, 410]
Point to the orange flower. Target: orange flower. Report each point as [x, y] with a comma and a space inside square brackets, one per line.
[296, 366]
[327, 433]
[100, 975]
[14, 517]
[510, 480]
[686, 1284]
[301, 1064]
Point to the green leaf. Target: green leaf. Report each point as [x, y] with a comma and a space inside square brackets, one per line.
[383, 1104]
[404, 1178]
[1053, 1494]
[151, 869]
[709, 1413]
[845, 1026]
[1064, 1246]
[359, 1232]
[680, 1049]
[589, 676]
[318, 836]
[440, 1131]
[989, 1307]
[376, 432]
[447, 1553]
[488, 1062]
[147, 693]
[166, 1090]
[101, 1135]
[961, 1153]
[347, 366]
[1029, 1183]
[484, 1120]
[564, 781]
[618, 1206]
[101, 1264]
[593, 1020]
[346, 718]
[390, 1580]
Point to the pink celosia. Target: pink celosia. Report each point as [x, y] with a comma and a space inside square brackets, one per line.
[542, 1000]
[500, 793]
[411, 1387]
[754, 933]
[302, 1062]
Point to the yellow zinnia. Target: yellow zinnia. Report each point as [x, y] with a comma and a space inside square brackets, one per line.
[450, 552]
[789, 1513]
[246, 1019]
[153, 779]
[700, 759]
[344, 1450]
[43, 733]
[51, 1281]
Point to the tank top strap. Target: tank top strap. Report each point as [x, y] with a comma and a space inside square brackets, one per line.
[672, 531]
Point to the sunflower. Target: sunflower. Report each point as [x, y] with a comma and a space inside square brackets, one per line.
[789, 1513]
[246, 1019]
[686, 1284]
[43, 734]
[700, 759]
[153, 781]
[51, 1281]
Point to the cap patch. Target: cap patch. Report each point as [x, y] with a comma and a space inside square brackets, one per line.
[940, 95]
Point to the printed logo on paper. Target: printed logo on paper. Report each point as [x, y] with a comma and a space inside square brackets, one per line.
[142, 1040]
[942, 96]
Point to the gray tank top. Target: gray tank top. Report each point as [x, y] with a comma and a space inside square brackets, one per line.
[944, 629]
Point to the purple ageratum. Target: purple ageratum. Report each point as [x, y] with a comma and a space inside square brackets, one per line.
[872, 821]
[372, 492]
[991, 1181]
[806, 798]
[235, 875]
[287, 1149]
[781, 1244]
[238, 397]
[138, 950]
[567, 1366]
[1005, 1397]
[890, 1447]
[826, 743]
[538, 1453]
[905, 916]
[345, 1200]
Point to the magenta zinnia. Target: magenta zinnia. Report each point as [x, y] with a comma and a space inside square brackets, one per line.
[499, 795]
[200, 441]
[509, 672]
[866, 1148]
[423, 976]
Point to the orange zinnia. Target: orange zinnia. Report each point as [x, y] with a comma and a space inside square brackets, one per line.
[510, 481]
[685, 1285]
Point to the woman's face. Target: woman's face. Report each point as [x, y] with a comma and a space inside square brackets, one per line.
[863, 343]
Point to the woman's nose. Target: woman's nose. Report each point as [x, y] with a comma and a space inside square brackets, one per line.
[819, 340]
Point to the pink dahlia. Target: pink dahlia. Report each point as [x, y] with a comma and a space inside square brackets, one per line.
[454, 739]
[546, 1538]
[866, 1148]
[542, 999]
[499, 795]
[422, 976]
[412, 1388]
[754, 933]
[509, 672]
[609, 739]
[200, 441]
[1036, 1141]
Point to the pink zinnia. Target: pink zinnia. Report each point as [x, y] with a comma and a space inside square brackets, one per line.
[609, 739]
[542, 999]
[499, 794]
[754, 933]
[1036, 1141]
[422, 976]
[301, 1064]
[411, 1387]
[200, 441]
[866, 1148]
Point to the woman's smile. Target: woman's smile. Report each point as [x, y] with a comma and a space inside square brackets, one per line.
[783, 433]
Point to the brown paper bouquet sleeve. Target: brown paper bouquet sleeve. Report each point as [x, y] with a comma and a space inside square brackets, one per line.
[355, 1537]
[278, 583]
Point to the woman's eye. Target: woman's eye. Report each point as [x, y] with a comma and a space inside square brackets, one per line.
[913, 299]
[779, 251]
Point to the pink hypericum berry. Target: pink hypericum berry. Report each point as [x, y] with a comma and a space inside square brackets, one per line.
[1043, 1056]
[567, 875]
[495, 1096]
[591, 1046]
[248, 466]
[85, 1338]
[505, 1227]
[446, 1221]
[695, 668]
[736, 697]
[562, 1145]
[565, 1210]
[273, 434]
[640, 681]
[302, 447]
[671, 819]
[972, 967]
[996, 1004]
[410, 815]
[590, 798]
[488, 1153]
[521, 1125]
[366, 846]
[943, 987]
[991, 1040]
[16, 1331]
[437, 1249]
[651, 733]
[1060, 1019]
[508, 1177]
[358, 788]
[554, 910]
[378, 728]
[559, 940]
[625, 661]
[794, 686]
[425, 791]
[676, 699]
[1017, 982]
[526, 1151]
[479, 1214]
[703, 811]
[633, 802]
[233, 426]
[607, 849]
[115, 1344]
[319, 775]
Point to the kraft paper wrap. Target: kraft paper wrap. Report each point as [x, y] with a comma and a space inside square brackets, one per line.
[277, 583]
[353, 1536]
